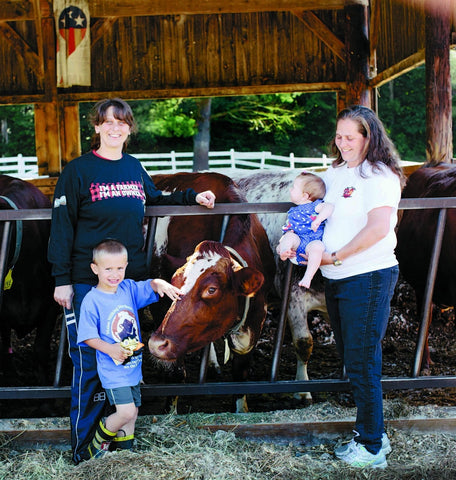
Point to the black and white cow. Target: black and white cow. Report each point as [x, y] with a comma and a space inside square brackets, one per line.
[274, 186]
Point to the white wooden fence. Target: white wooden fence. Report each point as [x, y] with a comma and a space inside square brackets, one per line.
[183, 161]
[22, 167]
[172, 162]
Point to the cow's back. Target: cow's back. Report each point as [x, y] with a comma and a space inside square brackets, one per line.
[243, 233]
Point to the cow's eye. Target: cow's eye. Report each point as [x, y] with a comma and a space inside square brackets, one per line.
[209, 292]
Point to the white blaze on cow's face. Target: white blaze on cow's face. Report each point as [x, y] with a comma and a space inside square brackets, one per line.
[196, 266]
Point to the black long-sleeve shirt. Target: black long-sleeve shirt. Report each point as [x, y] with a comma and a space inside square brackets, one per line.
[95, 199]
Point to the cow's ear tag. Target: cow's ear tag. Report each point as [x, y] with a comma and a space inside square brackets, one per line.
[8, 280]
[226, 356]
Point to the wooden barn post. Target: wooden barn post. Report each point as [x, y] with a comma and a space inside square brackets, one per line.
[70, 137]
[47, 112]
[439, 140]
[47, 138]
[358, 91]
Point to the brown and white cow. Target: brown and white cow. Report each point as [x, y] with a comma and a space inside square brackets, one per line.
[217, 282]
[416, 234]
[215, 290]
[274, 186]
[27, 303]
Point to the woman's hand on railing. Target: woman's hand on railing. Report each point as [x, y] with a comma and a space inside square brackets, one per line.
[63, 295]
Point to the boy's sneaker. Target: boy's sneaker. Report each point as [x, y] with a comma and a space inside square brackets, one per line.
[344, 449]
[358, 456]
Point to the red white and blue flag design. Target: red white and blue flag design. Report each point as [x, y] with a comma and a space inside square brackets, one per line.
[73, 42]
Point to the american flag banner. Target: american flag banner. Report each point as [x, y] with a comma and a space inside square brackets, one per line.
[72, 20]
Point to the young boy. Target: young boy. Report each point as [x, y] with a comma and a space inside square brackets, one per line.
[304, 228]
[109, 323]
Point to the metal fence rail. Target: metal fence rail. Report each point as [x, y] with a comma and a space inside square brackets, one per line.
[273, 385]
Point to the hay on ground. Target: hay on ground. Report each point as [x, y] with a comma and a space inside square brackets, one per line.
[175, 447]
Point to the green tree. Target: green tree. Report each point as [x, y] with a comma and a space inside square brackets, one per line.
[17, 124]
[281, 123]
[402, 108]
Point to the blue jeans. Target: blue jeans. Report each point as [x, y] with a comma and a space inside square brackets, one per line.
[358, 309]
[87, 394]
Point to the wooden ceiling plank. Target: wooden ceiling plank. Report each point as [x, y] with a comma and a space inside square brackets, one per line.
[374, 31]
[39, 9]
[21, 48]
[374, 24]
[321, 30]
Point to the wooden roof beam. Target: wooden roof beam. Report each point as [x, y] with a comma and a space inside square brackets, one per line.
[100, 28]
[313, 23]
[14, 10]
[125, 8]
[398, 69]
[21, 48]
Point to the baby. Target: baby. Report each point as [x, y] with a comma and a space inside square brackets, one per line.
[304, 228]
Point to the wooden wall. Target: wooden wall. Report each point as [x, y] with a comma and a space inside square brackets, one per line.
[401, 33]
[157, 56]
[163, 56]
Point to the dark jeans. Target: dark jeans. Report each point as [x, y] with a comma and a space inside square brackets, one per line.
[359, 308]
[87, 395]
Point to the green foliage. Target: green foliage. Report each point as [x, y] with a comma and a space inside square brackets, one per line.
[171, 118]
[281, 123]
[267, 114]
[402, 108]
[17, 130]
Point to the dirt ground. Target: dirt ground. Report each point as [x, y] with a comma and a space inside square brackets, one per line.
[398, 349]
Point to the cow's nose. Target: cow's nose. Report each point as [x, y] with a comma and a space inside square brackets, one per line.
[162, 348]
[164, 345]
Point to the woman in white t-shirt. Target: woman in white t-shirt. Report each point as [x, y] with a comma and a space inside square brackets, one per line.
[364, 184]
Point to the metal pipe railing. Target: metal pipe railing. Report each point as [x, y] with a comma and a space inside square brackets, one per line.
[273, 385]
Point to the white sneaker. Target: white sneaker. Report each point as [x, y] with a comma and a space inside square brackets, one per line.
[344, 449]
[358, 456]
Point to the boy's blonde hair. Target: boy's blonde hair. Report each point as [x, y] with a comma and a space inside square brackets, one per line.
[312, 184]
[110, 247]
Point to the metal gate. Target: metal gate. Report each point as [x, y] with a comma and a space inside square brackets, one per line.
[272, 385]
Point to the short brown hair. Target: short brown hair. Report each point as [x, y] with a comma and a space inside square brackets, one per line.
[313, 185]
[110, 247]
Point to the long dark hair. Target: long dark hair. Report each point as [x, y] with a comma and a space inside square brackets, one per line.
[122, 111]
[379, 147]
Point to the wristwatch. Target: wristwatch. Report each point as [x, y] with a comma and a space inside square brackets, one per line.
[335, 260]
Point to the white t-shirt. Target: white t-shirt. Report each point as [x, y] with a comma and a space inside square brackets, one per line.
[353, 198]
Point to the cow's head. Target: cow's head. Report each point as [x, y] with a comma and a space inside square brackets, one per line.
[212, 283]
